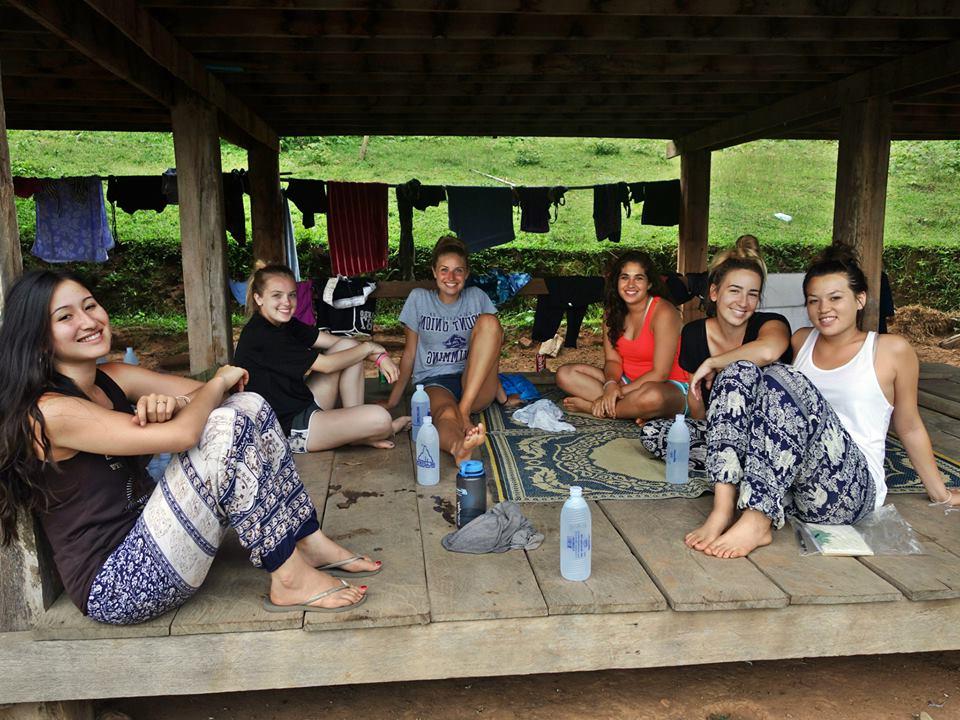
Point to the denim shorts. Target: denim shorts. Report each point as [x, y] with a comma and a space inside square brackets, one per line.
[683, 387]
[450, 382]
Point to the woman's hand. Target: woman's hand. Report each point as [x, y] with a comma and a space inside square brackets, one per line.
[953, 496]
[155, 408]
[234, 378]
[705, 373]
[389, 368]
[606, 404]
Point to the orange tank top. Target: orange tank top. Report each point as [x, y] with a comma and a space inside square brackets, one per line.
[637, 354]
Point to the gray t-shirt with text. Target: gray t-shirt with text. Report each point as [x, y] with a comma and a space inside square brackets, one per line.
[444, 330]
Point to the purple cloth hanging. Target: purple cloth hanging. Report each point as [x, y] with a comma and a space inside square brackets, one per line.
[72, 222]
[304, 311]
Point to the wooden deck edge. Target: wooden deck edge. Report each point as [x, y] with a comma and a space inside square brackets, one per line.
[185, 665]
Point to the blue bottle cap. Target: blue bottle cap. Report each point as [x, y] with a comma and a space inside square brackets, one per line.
[471, 468]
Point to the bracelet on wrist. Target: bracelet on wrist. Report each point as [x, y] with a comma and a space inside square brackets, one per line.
[608, 382]
[380, 358]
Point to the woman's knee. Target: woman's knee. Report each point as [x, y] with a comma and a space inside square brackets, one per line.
[564, 374]
[488, 323]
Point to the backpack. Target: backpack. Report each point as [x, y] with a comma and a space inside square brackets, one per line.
[345, 307]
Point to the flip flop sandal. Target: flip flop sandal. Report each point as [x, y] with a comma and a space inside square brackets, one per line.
[306, 604]
[334, 568]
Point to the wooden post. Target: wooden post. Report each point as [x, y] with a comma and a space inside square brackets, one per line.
[196, 144]
[11, 264]
[694, 219]
[861, 195]
[266, 209]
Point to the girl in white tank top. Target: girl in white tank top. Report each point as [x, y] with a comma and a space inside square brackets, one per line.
[816, 431]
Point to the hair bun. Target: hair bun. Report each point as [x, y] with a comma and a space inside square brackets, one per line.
[748, 246]
[842, 253]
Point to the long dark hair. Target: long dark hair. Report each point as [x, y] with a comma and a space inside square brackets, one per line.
[839, 259]
[26, 372]
[614, 306]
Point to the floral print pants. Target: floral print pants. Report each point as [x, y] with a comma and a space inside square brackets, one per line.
[771, 432]
[240, 475]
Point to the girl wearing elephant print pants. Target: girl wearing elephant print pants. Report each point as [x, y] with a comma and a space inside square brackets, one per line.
[816, 431]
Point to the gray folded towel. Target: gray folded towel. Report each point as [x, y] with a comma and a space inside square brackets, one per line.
[503, 527]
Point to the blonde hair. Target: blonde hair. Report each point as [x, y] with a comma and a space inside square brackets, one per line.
[256, 281]
[744, 255]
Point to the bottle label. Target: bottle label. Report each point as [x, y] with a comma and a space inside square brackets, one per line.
[580, 544]
[425, 459]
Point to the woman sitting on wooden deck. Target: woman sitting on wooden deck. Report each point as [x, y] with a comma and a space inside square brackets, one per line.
[817, 429]
[312, 379]
[641, 377]
[75, 439]
[453, 341]
[733, 331]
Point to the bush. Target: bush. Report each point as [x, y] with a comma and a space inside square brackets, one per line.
[603, 148]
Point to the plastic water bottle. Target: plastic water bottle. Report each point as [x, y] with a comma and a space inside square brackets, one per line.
[471, 491]
[678, 452]
[575, 541]
[428, 454]
[419, 409]
[130, 357]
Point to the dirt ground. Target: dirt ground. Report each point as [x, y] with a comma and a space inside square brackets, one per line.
[891, 687]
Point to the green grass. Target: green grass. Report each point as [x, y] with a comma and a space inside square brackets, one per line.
[749, 183]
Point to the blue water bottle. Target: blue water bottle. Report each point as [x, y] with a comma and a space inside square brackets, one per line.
[419, 409]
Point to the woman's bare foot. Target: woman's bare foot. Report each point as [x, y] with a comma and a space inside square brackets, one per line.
[317, 549]
[473, 437]
[295, 581]
[577, 404]
[717, 521]
[748, 533]
[402, 424]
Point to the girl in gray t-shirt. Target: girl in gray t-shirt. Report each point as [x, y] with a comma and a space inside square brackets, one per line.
[453, 341]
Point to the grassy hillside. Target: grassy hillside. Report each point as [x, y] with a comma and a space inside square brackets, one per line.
[749, 184]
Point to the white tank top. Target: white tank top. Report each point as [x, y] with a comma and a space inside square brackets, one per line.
[854, 393]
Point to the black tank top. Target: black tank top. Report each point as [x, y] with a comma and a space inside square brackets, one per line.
[94, 502]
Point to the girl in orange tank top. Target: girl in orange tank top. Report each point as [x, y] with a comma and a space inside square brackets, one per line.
[641, 377]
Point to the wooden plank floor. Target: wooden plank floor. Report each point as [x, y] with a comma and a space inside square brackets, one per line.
[369, 501]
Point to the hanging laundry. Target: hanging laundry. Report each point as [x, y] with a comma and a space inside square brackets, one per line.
[357, 227]
[412, 194]
[607, 200]
[568, 296]
[534, 209]
[499, 286]
[72, 222]
[289, 239]
[661, 203]
[235, 218]
[24, 187]
[310, 197]
[238, 288]
[137, 192]
[481, 216]
[304, 311]
[168, 186]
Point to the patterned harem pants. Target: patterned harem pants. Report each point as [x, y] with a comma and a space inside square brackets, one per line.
[771, 432]
[240, 475]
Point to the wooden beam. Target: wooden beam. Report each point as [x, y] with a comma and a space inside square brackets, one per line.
[266, 211]
[694, 218]
[861, 195]
[11, 263]
[196, 144]
[124, 39]
[940, 66]
[867, 9]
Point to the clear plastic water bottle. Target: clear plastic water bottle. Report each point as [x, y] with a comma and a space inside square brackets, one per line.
[678, 452]
[575, 543]
[419, 409]
[130, 357]
[428, 454]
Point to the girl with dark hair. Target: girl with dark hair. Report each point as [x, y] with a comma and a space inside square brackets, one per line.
[641, 377]
[734, 330]
[453, 341]
[312, 379]
[75, 440]
[817, 430]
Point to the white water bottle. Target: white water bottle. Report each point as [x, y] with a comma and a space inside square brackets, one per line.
[575, 543]
[419, 409]
[678, 452]
[428, 454]
[130, 357]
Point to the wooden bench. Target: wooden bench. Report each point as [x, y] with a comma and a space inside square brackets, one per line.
[432, 614]
[393, 289]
